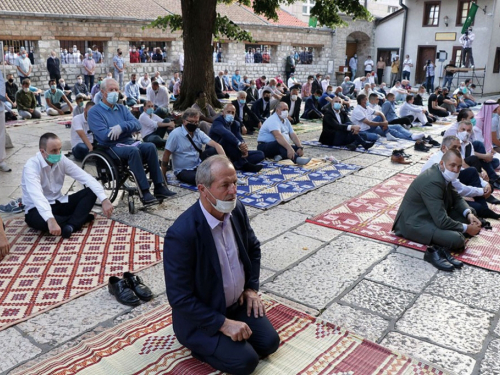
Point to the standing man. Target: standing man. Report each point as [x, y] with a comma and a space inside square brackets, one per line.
[394, 70]
[368, 65]
[23, 65]
[47, 209]
[290, 65]
[449, 72]
[466, 40]
[119, 67]
[10, 56]
[89, 69]
[407, 65]
[3, 165]
[54, 66]
[96, 55]
[212, 266]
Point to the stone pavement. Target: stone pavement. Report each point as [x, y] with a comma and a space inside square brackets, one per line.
[385, 293]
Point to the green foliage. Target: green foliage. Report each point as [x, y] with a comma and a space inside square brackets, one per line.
[328, 13]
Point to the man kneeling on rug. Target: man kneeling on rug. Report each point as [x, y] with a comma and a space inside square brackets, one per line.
[47, 208]
[434, 214]
[212, 267]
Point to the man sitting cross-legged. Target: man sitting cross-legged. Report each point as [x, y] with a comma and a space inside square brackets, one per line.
[53, 98]
[212, 265]
[244, 114]
[417, 112]
[432, 212]
[226, 131]
[47, 209]
[275, 137]
[469, 182]
[185, 145]
[339, 131]
[113, 126]
[153, 127]
[294, 102]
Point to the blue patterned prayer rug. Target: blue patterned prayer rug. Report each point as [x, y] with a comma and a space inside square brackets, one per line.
[281, 182]
[383, 148]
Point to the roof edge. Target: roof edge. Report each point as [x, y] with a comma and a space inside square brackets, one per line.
[378, 21]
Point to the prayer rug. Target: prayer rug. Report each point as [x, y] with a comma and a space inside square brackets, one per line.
[147, 345]
[372, 215]
[14, 123]
[281, 182]
[66, 123]
[43, 271]
[383, 148]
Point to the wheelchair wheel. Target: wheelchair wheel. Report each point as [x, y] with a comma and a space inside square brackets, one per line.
[101, 167]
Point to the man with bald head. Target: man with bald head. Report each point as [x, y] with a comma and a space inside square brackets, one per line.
[276, 135]
[226, 131]
[220, 86]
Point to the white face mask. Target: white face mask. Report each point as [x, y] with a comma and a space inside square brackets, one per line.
[463, 136]
[284, 115]
[293, 97]
[222, 206]
[449, 175]
[26, 89]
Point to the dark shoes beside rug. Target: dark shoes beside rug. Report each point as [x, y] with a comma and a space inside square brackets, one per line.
[130, 290]
[441, 258]
[399, 156]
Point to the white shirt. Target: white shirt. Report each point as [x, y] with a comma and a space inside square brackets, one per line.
[324, 84]
[358, 84]
[292, 107]
[359, 114]
[41, 183]
[369, 65]
[291, 82]
[144, 82]
[160, 99]
[79, 123]
[24, 64]
[408, 109]
[149, 124]
[462, 190]
[406, 65]
[74, 58]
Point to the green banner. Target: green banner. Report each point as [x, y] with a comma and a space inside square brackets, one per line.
[470, 17]
[313, 21]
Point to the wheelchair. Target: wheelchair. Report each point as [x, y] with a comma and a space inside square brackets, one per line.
[114, 174]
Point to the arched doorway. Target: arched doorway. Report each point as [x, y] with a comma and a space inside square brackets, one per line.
[358, 43]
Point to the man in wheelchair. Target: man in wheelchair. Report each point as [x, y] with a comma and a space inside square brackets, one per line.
[113, 125]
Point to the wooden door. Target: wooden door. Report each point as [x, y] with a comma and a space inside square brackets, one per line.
[350, 50]
[424, 53]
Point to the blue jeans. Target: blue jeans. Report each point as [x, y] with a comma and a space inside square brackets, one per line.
[396, 130]
[448, 80]
[89, 81]
[80, 151]
[430, 84]
[489, 167]
[406, 75]
[470, 103]
[135, 156]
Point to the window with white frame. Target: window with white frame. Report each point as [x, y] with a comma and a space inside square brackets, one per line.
[307, 6]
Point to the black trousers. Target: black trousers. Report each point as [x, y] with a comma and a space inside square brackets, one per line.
[189, 175]
[470, 177]
[242, 357]
[74, 212]
[405, 120]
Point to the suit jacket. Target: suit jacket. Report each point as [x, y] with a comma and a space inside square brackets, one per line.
[252, 94]
[194, 278]
[316, 85]
[312, 105]
[53, 66]
[332, 126]
[296, 111]
[224, 133]
[427, 205]
[258, 109]
[218, 87]
[246, 111]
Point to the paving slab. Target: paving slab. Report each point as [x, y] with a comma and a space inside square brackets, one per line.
[471, 286]
[363, 323]
[379, 298]
[317, 232]
[265, 274]
[272, 223]
[450, 360]
[286, 249]
[365, 182]
[176, 206]
[447, 323]
[343, 189]
[364, 160]
[16, 348]
[403, 272]
[410, 252]
[73, 318]
[415, 169]
[490, 364]
[309, 202]
[377, 172]
[154, 278]
[320, 278]
[144, 220]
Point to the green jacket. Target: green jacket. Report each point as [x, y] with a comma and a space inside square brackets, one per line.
[25, 100]
[429, 203]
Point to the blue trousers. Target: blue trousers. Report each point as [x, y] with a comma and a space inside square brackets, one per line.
[396, 130]
[447, 80]
[272, 149]
[470, 103]
[429, 83]
[489, 167]
[80, 151]
[135, 156]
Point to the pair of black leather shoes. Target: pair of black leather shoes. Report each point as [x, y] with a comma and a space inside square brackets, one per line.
[441, 258]
[130, 290]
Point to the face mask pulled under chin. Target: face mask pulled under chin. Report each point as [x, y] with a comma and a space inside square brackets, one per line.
[449, 175]
[222, 206]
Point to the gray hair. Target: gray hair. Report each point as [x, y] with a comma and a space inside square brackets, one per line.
[242, 93]
[204, 174]
[190, 112]
[448, 140]
[105, 82]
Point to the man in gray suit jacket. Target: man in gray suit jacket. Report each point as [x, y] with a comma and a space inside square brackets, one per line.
[433, 213]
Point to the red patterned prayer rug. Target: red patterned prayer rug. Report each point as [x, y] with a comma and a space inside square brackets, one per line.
[372, 214]
[147, 345]
[43, 271]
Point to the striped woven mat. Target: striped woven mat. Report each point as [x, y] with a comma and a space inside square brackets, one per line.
[147, 345]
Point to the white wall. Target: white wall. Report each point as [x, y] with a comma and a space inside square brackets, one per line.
[388, 35]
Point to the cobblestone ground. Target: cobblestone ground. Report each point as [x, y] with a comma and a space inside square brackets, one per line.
[385, 293]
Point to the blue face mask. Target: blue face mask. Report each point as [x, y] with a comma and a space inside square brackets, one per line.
[53, 158]
[473, 121]
[243, 101]
[464, 90]
[112, 97]
[337, 106]
[229, 118]
[150, 111]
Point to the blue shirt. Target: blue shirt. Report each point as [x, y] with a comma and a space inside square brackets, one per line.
[388, 110]
[132, 91]
[119, 62]
[236, 81]
[274, 123]
[322, 100]
[102, 118]
[55, 97]
[97, 98]
[184, 155]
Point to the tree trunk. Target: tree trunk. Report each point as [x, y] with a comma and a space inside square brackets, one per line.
[198, 19]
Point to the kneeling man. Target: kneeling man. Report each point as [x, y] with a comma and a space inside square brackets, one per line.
[212, 267]
[47, 209]
[433, 213]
